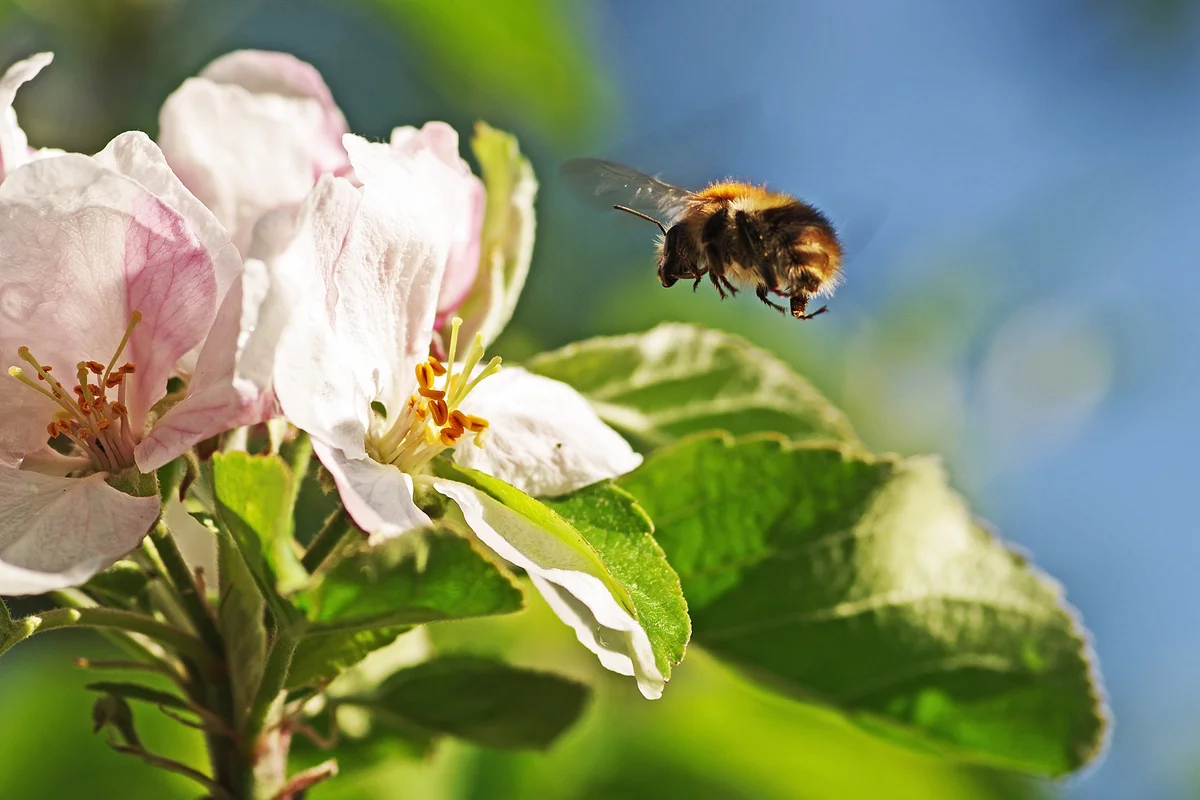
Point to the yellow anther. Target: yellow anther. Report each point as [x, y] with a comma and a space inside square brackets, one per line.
[475, 424]
[438, 368]
[432, 394]
[447, 438]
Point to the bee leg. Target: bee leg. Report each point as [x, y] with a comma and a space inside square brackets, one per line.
[762, 295]
[699, 275]
[732, 289]
[712, 276]
[800, 303]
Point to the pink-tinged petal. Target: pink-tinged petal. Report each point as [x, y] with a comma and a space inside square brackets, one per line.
[83, 248]
[378, 497]
[58, 532]
[252, 135]
[14, 146]
[136, 156]
[269, 72]
[462, 265]
[569, 581]
[544, 437]
[231, 386]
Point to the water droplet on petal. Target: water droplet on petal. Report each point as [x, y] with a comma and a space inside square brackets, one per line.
[18, 300]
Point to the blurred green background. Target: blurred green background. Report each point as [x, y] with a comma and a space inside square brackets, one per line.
[1017, 186]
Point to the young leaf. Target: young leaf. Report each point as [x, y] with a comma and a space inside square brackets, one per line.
[678, 379]
[477, 699]
[417, 578]
[253, 496]
[621, 533]
[864, 583]
[240, 618]
[507, 240]
[322, 657]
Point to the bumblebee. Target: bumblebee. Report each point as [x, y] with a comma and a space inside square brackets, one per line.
[735, 233]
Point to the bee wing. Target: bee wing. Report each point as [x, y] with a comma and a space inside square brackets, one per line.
[608, 183]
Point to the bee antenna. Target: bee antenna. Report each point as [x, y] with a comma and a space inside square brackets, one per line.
[646, 217]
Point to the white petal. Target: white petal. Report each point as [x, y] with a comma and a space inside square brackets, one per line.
[83, 248]
[14, 146]
[568, 580]
[244, 152]
[362, 277]
[58, 532]
[316, 376]
[544, 438]
[379, 497]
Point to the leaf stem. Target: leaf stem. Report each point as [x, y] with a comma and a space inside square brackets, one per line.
[336, 529]
[274, 679]
[182, 641]
[217, 791]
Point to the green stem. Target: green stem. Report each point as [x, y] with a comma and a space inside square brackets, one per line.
[336, 529]
[217, 791]
[182, 641]
[274, 679]
[133, 644]
[181, 577]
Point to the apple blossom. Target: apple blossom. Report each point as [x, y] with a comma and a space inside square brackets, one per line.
[361, 280]
[111, 278]
[255, 130]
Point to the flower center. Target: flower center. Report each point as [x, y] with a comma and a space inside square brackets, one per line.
[96, 424]
[431, 419]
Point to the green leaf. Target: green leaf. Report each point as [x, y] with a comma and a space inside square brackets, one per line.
[864, 583]
[507, 239]
[477, 699]
[526, 59]
[135, 691]
[254, 504]
[419, 577]
[240, 618]
[621, 533]
[322, 657]
[679, 379]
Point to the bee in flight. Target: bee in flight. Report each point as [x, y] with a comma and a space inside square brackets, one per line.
[735, 233]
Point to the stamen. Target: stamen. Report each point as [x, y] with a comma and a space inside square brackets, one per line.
[134, 319]
[87, 416]
[432, 420]
[439, 412]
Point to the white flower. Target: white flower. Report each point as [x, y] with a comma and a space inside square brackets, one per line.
[361, 280]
